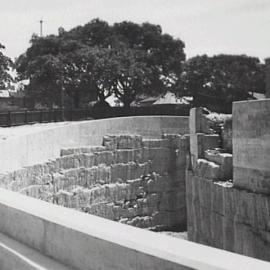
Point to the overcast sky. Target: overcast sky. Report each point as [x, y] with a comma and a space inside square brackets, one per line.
[206, 26]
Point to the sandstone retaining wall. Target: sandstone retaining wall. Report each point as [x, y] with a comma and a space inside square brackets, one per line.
[129, 179]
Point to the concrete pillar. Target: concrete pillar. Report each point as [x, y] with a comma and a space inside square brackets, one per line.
[195, 120]
[267, 77]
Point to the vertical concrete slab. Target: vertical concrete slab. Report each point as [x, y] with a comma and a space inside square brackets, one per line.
[251, 145]
[195, 119]
[267, 77]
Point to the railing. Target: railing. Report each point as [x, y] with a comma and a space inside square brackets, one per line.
[16, 118]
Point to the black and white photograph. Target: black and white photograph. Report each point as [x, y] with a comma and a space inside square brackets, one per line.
[135, 135]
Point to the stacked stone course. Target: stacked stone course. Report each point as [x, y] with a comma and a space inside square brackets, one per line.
[129, 179]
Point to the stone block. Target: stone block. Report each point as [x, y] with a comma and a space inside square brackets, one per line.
[129, 171]
[59, 181]
[104, 157]
[222, 159]
[87, 160]
[135, 188]
[122, 141]
[68, 162]
[160, 159]
[158, 183]
[82, 150]
[110, 142]
[156, 143]
[32, 191]
[98, 175]
[141, 222]
[207, 169]
[128, 155]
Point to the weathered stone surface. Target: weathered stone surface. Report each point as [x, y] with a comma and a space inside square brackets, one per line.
[156, 143]
[226, 135]
[223, 216]
[81, 150]
[160, 159]
[104, 157]
[207, 169]
[222, 159]
[128, 155]
[141, 183]
[122, 141]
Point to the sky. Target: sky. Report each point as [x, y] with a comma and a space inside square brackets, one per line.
[206, 26]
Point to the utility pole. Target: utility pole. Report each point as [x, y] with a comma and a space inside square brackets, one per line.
[41, 24]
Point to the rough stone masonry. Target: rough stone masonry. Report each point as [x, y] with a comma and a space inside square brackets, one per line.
[228, 202]
[136, 181]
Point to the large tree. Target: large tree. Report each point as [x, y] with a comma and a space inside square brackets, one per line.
[5, 66]
[125, 59]
[222, 78]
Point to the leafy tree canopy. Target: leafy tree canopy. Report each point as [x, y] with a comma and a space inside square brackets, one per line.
[5, 65]
[125, 59]
[222, 77]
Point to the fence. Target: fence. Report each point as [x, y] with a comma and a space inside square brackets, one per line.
[16, 118]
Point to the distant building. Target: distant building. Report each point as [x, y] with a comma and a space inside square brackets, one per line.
[166, 99]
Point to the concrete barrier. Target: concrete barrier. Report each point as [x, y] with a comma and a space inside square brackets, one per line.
[14, 255]
[82, 241]
[39, 146]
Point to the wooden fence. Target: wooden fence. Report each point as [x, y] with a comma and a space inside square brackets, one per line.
[16, 118]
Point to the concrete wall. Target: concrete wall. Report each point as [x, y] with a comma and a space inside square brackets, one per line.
[39, 146]
[140, 182]
[87, 242]
[251, 144]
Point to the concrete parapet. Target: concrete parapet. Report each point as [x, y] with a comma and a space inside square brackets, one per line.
[84, 242]
[14, 255]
